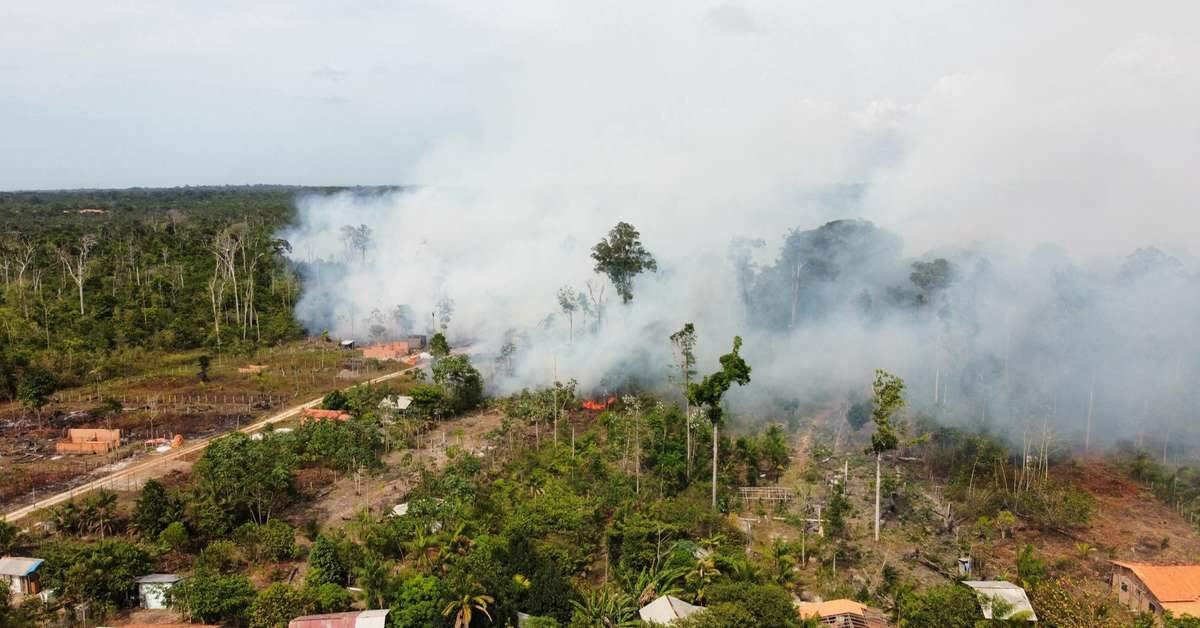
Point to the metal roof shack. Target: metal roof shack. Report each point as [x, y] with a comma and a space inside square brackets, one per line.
[20, 574]
[1012, 595]
[152, 589]
[18, 566]
[397, 403]
[358, 619]
[667, 610]
[169, 626]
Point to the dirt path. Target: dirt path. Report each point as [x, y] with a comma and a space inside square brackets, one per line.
[802, 446]
[163, 464]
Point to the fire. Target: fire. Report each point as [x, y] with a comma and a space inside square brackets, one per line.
[599, 405]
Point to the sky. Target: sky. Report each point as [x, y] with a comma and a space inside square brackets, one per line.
[963, 119]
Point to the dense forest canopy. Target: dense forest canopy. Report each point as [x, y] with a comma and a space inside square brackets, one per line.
[90, 277]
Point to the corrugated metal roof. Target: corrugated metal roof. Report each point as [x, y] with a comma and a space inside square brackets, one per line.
[1012, 595]
[1168, 583]
[16, 566]
[354, 619]
[157, 578]
[667, 609]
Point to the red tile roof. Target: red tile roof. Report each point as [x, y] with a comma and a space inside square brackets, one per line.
[1168, 583]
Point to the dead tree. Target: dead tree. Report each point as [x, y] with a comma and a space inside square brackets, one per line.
[75, 261]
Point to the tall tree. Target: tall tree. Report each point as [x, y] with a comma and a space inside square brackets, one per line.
[75, 261]
[357, 239]
[438, 346]
[708, 392]
[247, 478]
[684, 342]
[568, 301]
[403, 317]
[621, 256]
[889, 399]
[445, 309]
[464, 383]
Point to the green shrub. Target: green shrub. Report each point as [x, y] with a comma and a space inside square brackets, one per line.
[770, 605]
[326, 598]
[945, 606]
[325, 564]
[175, 537]
[277, 540]
[212, 598]
[275, 606]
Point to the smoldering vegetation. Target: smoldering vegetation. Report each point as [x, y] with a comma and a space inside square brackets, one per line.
[1016, 343]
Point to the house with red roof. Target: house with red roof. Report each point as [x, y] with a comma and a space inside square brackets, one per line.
[1144, 587]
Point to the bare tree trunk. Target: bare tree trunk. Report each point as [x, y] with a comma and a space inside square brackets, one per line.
[714, 469]
[687, 426]
[878, 463]
[937, 382]
[76, 265]
[637, 453]
[795, 295]
[1087, 436]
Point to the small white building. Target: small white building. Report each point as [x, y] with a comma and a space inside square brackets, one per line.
[20, 574]
[395, 403]
[667, 610]
[152, 589]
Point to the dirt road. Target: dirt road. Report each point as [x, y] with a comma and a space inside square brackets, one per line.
[160, 465]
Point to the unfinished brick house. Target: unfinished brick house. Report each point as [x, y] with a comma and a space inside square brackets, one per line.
[842, 614]
[89, 441]
[317, 414]
[1143, 587]
[387, 351]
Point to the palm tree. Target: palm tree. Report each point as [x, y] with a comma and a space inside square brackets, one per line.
[100, 510]
[375, 579]
[463, 609]
[66, 517]
[458, 542]
[782, 561]
[606, 608]
[424, 549]
[702, 575]
[362, 523]
[652, 583]
[711, 543]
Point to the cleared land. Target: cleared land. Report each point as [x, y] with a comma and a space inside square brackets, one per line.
[126, 472]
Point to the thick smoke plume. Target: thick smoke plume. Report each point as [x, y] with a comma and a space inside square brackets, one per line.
[1011, 232]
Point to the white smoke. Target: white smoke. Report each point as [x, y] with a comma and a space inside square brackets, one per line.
[972, 132]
